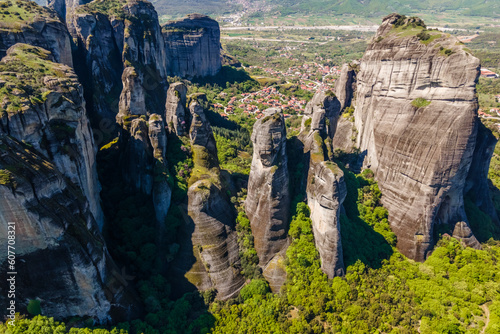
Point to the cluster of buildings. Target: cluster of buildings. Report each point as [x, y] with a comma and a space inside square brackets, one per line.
[255, 103]
[305, 77]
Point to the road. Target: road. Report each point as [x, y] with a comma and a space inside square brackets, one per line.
[270, 40]
[372, 28]
[487, 314]
[344, 28]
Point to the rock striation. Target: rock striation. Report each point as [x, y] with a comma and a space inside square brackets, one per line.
[111, 38]
[416, 117]
[60, 253]
[214, 238]
[65, 8]
[326, 189]
[176, 115]
[268, 200]
[345, 87]
[193, 46]
[45, 108]
[26, 22]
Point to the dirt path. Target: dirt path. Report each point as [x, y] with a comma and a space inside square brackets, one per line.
[487, 314]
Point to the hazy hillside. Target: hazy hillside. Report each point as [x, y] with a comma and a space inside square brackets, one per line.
[366, 8]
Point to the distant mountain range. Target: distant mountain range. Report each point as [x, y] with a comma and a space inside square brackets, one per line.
[363, 8]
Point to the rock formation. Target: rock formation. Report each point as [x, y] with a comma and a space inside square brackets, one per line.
[268, 200]
[65, 8]
[177, 117]
[214, 238]
[477, 184]
[345, 86]
[416, 113]
[322, 114]
[125, 34]
[37, 26]
[193, 46]
[46, 109]
[326, 189]
[61, 257]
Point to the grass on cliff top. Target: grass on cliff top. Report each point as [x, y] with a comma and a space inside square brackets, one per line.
[106, 7]
[19, 12]
[22, 77]
[425, 36]
[205, 168]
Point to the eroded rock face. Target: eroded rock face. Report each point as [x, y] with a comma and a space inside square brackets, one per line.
[65, 8]
[214, 238]
[416, 115]
[193, 46]
[110, 42]
[60, 253]
[268, 200]
[41, 27]
[463, 232]
[345, 85]
[345, 134]
[326, 191]
[48, 112]
[177, 117]
[321, 113]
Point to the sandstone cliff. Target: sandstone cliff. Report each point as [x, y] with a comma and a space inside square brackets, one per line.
[26, 22]
[193, 46]
[268, 200]
[176, 115]
[42, 104]
[416, 113]
[65, 8]
[112, 36]
[345, 87]
[61, 257]
[214, 237]
[326, 189]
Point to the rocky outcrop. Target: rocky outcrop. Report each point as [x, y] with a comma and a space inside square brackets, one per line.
[463, 232]
[177, 117]
[162, 193]
[344, 139]
[45, 108]
[193, 46]
[35, 25]
[267, 203]
[114, 37]
[345, 86]
[321, 114]
[214, 238]
[61, 257]
[65, 8]
[326, 189]
[416, 113]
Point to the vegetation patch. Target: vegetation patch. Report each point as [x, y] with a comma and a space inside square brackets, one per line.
[445, 52]
[7, 178]
[420, 102]
[106, 7]
[24, 74]
[17, 13]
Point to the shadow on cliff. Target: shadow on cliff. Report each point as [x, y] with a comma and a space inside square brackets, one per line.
[227, 74]
[359, 240]
[482, 224]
